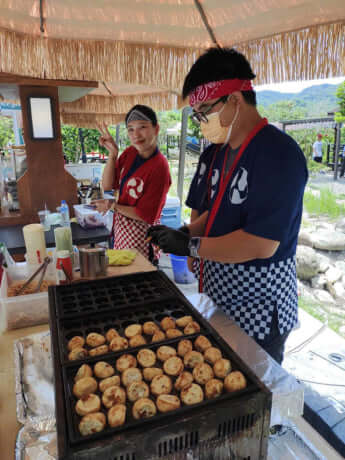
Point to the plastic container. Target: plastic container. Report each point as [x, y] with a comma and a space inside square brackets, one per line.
[64, 211]
[180, 269]
[171, 213]
[25, 310]
[88, 217]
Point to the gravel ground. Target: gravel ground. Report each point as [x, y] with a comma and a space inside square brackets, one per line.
[326, 180]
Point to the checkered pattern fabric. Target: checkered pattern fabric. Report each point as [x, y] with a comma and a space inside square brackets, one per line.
[130, 234]
[249, 294]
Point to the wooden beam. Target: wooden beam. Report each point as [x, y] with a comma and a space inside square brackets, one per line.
[27, 81]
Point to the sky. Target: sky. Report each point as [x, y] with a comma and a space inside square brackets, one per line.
[297, 86]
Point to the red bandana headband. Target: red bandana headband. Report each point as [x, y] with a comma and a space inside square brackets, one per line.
[217, 89]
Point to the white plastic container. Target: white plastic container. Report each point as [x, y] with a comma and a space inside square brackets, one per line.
[87, 217]
[25, 310]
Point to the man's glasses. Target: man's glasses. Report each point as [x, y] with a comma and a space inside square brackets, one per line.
[199, 117]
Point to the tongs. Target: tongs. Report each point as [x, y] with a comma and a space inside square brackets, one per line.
[42, 268]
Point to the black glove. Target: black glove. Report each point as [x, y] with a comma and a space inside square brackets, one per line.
[169, 240]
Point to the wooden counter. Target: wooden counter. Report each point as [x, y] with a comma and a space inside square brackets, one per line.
[8, 419]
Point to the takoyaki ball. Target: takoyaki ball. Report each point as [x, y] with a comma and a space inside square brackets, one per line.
[167, 403]
[137, 390]
[161, 385]
[168, 323]
[150, 372]
[193, 358]
[111, 334]
[202, 373]
[184, 346]
[172, 333]
[132, 330]
[212, 355]
[235, 381]
[91, 403]
[131, 375]
[143, 408]
[83, 371]
[109, 382]
[184, 380]
[84, 387]
[94, 339]
[173, 366]
[103, 370]
[113, 395]
[137, 340]
[77, 353]
[76, 342]
[101, 350]
[222, 368]
[118, 343]
[146, 357]
[202, 343]
[150, 328]
[158, 336]
[213, 388]
[125, 362]
[117, 415]
[191, 328]
[92, 423]
[192, 394]
[183, 321]
[165, 352]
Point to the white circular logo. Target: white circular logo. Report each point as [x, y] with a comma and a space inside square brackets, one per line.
[135, 187]
[201, 172]
[214, 181]
[239, 187]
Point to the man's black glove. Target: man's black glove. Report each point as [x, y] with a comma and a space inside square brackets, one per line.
[169, 240]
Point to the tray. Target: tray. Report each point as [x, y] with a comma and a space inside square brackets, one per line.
[73, 418]
[125, 291]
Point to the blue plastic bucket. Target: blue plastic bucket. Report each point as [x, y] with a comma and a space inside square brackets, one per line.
[180, 269]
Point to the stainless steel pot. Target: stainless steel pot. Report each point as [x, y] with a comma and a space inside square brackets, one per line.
[93, 262]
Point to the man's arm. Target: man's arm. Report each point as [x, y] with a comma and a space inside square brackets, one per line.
[237, 247]
[197, 227]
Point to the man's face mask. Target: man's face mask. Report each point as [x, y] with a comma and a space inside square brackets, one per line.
[214, 131]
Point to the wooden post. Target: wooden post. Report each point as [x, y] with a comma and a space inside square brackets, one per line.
[45, 181]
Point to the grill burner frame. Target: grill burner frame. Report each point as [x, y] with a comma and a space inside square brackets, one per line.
[247, 427]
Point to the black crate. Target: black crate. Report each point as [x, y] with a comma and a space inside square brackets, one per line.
[244, 415]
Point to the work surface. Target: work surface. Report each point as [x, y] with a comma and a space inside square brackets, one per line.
[13, 238]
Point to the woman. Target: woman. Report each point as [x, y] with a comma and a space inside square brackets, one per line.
[140, 175]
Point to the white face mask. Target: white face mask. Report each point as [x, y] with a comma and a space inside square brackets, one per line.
[214, 131]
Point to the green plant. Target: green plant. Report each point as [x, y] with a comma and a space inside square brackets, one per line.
[334, 320]
[324, 204]
[6, 131]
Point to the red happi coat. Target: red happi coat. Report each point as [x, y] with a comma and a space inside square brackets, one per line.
[143, 184]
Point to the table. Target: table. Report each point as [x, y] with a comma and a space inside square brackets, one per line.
[8, 419]
[13, 238]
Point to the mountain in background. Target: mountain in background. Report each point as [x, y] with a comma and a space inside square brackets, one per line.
[316, 100]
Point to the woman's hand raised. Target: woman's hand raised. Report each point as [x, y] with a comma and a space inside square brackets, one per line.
[106, 140]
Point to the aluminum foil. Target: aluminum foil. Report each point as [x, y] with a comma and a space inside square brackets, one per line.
[35, 445]
[34, 381]
[287, 393]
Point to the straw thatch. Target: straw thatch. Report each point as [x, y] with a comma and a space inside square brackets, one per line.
[314, 52]
[90, 120]
[121, 104]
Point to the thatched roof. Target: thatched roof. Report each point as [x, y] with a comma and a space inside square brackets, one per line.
[142, 50]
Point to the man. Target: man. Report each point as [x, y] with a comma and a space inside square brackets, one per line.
[246, 241]
[317, 149]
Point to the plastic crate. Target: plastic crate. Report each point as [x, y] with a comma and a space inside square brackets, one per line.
[171, 214]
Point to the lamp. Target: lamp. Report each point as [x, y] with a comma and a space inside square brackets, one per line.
[41, 121]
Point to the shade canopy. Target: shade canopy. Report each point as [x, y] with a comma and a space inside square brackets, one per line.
[141, 50]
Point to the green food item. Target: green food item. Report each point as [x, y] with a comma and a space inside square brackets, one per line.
[120, 256]
[63, 239]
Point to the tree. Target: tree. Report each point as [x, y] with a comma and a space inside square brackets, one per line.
[283, 111]
[6, 131]
[339, 117]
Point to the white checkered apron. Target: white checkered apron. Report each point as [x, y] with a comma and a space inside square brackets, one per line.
[130, 234]
[249, 294]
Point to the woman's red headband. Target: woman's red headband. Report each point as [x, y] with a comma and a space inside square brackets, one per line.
[216, 89]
